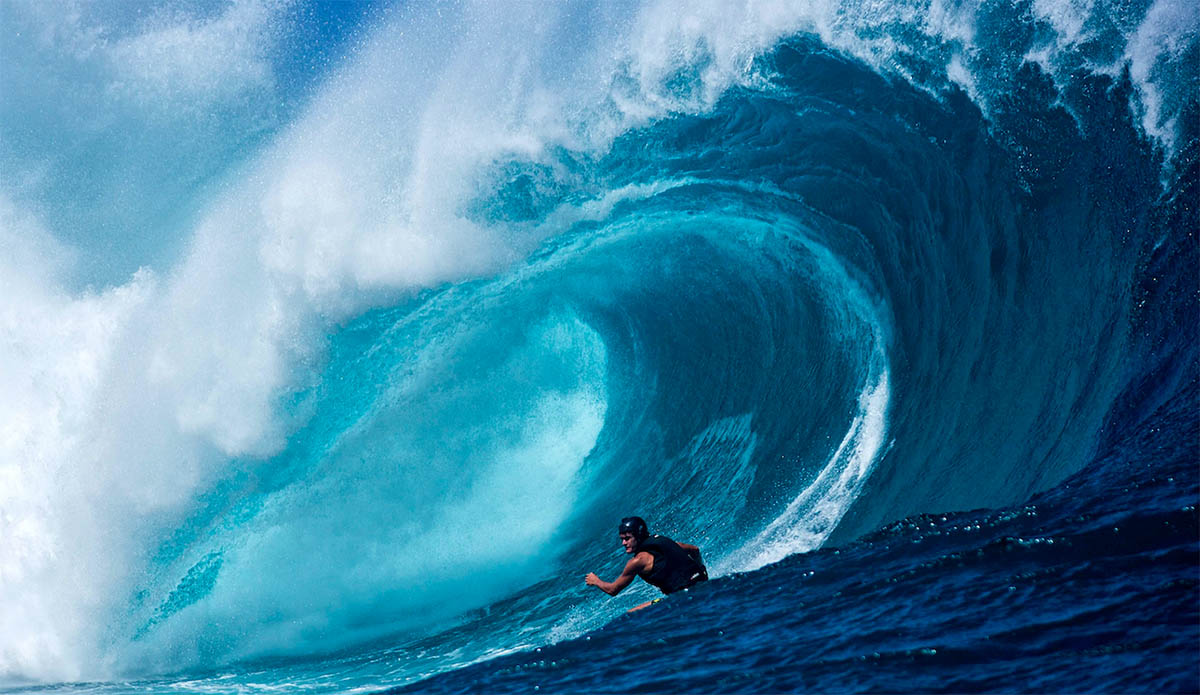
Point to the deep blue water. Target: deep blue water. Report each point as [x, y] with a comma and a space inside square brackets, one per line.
[339, 337]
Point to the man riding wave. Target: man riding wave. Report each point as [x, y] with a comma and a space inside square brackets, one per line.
[660, 561]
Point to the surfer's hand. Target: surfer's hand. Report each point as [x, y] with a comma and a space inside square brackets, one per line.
[591, 579]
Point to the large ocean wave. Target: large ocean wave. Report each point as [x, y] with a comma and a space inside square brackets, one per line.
[359, 350]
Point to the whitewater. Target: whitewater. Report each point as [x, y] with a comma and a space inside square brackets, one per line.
[335, 339]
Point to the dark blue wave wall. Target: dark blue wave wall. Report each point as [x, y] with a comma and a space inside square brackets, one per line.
[1087, 586]
[1007, 280]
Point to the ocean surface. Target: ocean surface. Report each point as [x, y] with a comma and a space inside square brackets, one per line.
[336, 338]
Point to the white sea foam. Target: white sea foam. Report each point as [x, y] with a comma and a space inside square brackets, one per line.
[56, 486]
[1154, 52]
[172, 65]
[815, 512]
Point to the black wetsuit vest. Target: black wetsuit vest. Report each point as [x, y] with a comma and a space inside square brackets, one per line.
[674, 568]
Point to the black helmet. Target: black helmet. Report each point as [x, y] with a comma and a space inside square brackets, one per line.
[634, 525]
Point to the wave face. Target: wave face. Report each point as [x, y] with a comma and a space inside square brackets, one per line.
[338, 337]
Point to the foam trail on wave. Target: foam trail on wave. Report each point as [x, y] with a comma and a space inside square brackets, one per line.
[815, 512]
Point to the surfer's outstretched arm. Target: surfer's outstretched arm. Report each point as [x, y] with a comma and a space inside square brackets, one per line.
[635, 565]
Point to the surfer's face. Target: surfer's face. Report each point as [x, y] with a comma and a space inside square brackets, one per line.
[629, 542]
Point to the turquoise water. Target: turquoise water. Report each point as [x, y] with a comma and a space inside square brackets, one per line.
[339, 336]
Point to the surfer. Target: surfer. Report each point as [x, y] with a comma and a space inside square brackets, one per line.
[660, 561]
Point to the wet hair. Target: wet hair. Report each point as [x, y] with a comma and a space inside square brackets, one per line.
[636, 526]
